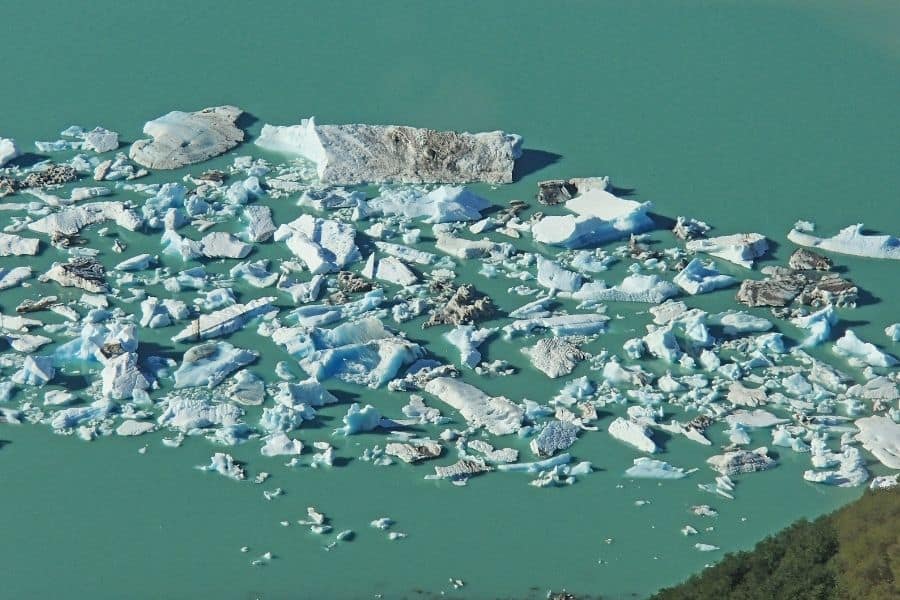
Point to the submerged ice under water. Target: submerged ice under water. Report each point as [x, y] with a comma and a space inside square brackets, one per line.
[241, 304]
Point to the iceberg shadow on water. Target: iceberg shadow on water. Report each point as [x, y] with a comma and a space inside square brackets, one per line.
[532, 161]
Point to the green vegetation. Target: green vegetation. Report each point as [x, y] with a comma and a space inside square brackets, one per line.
[852, 554]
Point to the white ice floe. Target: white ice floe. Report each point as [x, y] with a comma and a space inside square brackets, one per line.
[323, 245]
[209, 363]
[14, 245]
[392, 270]
[650, 468]
[8, 150]
[741, 461]
[601, 217]
[279, 444]
[559, 325]
[555, 278]
[740, 248]
[189, 414]
[225, 465]
[633, 288]
[467, 339]
[181, 138]
[634, 434]
[360, 419]
[73, 219]
[497, 414]
[850, 240]
[699, 278]
[354, 154]
[880, 436]
[443, 204]
[818, 324]
[862, 353]
[224, 321]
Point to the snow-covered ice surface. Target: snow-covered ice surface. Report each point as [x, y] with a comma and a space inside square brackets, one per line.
[850, 240]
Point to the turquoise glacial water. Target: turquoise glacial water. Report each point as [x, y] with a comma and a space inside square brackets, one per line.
[748, 115]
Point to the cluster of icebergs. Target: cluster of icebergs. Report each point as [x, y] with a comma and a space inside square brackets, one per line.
[339, 289]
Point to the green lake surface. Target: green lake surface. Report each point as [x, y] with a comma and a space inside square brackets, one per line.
[748, 115]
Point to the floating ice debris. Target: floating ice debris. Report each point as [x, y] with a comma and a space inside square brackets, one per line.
[467, 339]
[121, 377]
[561, 475]
[181, 138]
[699, 278]
[633, 434]
[224, 321]
[209, 363]
[741, 461]
[555, 278]
[893, 332]
[8, 150]
[561, 325]
[851, 470]
[382, 523]
[37, 370]
[633, 288]
[443, 204]
[740, 248]
[464, 305]
[705, 547]
[884, 482]
[819, 325]
[496, 414]
[650, 468]
[188, 414]
[14, 245]
[880, 436]
[602, 216]
[134, 428]
[72, 219]
[360, 420]
[467, 249]
[862, 353]
[100, 140]
[138, 262]
[555, 356]
[224, 464]
[687, 228]
[414, 450]
[393, 270]
[754, 418]
[325, 246]
[279, 444]
[354, 154]
[851, 240]
[460, 471]
[555, 436]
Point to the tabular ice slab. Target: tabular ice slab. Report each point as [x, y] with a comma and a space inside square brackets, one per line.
[356, 154]
[851, 240]
[740, 248]
[184, 138]
[14, 245]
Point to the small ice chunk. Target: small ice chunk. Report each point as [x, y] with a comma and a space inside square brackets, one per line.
[633, 434]
[699, 278]
[741, 461]
[8, 150]
[650, 468]
[862, 353]
[740, 248]
[360, 420]
[225, 465]
[209, 363]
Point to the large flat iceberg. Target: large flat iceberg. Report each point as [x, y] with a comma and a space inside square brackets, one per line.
[850, 240]
[356, 154]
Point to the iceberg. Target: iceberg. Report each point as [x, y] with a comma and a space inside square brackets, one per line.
[73, 219]
[279, 444]
[209, 363]
[260, 226]
[851, 240]
[700, 278]
[100, 140]
[741, 461]
[601, 216]
[634, 434]
[633, 288]
[360, 420]
[555, 278]
[285, 418]
[862, 353]
[356, 154]
[555, 436]
[893, 332]
[650, 468]
[555, 356]
[14, 245]
[739, 248]
[8, 150]
[497, 414]
[393, 270]
[818, 324]
[467, 339]
[12, 277]
[37, 370]
[308, 391]
[880, 436]
[225, 465]
[325, 246]
[224, 321]
[189, 414]
[443, 204]
[560, 325]
[184, 138]
[121, 377]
